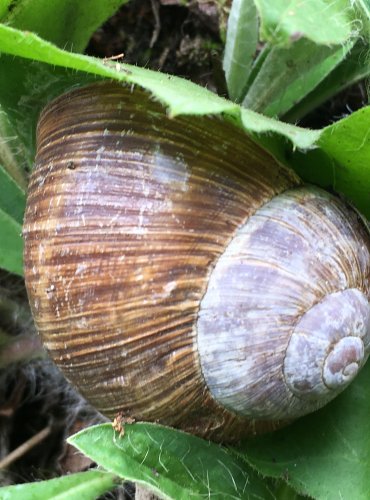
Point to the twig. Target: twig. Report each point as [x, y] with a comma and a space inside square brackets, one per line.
[114, 58]
[25, 447]
[157, 23]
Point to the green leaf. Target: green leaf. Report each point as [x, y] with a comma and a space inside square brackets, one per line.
[12, 198]
[362, 9]
[171, 463]
[67, 23]
[81, 486]
[11, 244]
[342, 160]
[353, 68]
[289, 74]
[347, 142]
[181, 96]
[260, 124]
[325, 455]
[4, 8]
[241, 46]
[324, 22]
[28, 86]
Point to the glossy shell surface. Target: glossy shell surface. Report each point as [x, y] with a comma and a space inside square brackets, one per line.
[129, 220]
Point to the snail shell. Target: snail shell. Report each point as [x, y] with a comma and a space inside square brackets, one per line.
[177, 273]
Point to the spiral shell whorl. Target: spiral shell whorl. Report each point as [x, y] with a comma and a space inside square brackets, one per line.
[282, 299]
[328, 346]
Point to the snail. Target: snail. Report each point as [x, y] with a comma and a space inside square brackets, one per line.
[178, 273]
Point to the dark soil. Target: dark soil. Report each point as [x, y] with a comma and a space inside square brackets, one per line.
[167, 36]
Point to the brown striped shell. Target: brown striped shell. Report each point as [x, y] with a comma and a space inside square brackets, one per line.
[177, 273]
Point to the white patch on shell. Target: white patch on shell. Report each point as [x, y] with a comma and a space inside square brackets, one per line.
[168, 169]
[81, 268]
[169, 287]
